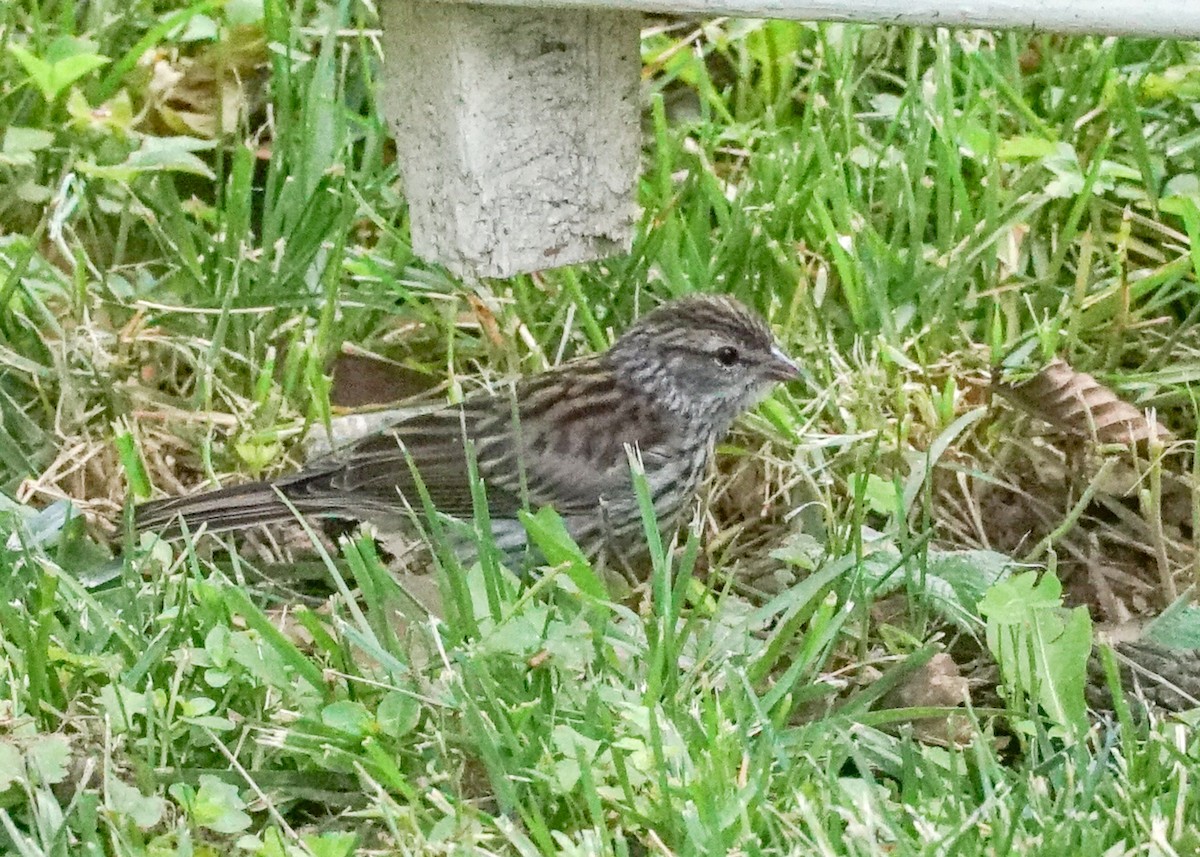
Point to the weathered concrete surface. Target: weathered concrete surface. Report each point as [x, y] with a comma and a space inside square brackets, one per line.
[517, 132]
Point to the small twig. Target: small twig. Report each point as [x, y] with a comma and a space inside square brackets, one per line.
[1155, 521]
[168, 414]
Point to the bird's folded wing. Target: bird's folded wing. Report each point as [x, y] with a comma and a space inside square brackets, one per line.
[557, 451]
[379, 469]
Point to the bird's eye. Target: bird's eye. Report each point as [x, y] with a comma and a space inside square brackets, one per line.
[727, 355]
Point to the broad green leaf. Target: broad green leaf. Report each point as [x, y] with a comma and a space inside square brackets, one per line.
[67, 60]
[1177, 627]
[1184, 184]
[49, 757]
[1042, 647]
[21, 144]
[45, 526]
[243, 12]
[218, 806]
[12, 767]
[199, 28]
[256, 453]
[969, 572]
[1177, 81]
[331, 844]
[1181, 194]
[519, 635]
[113, 116]
[37, 69]
[156, 154]
[882, 495]
[952, 582]
[216, 645]
[570, 748]
[975, 139]
[121, 705]
[351, 718]
[260, 658]
[144, 810]
[549, 535]
[398, 714]
[171, 154]
[1026, 148]
[1065, 658]
[1012, 602]
[66, 71]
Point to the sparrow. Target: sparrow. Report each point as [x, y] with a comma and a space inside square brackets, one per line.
[667, 391]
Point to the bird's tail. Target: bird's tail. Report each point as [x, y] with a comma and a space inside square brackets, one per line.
[232, 508]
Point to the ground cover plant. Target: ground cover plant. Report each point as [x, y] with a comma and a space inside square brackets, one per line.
[878, 637]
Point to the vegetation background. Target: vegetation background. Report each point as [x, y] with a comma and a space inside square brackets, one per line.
[202, 219]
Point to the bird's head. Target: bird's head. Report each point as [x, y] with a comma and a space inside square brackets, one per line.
[708, 357]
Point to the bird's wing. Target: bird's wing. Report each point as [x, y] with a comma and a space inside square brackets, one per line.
[564, 445]
[375, 472]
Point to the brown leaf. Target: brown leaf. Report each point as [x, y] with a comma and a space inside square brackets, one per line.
[361, 379]
[938, 684]
[487, 321]
[208, 94]
[1076, 403]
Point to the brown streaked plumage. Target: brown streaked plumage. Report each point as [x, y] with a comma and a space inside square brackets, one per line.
[670, 388]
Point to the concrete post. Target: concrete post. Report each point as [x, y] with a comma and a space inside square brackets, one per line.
[517, 132]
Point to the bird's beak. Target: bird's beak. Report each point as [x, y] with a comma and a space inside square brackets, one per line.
[782, 367]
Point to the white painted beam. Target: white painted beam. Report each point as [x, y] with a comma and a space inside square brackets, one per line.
[517, 132]
[1153, 18]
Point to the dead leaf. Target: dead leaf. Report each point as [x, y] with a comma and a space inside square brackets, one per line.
[1009, 250]
[938, 684]
[362, 379]
[208, 94]
[487, 321]
[1076, 403]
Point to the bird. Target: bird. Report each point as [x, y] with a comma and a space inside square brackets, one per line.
[665, 393]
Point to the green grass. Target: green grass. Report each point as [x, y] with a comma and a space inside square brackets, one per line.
[910, 208]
